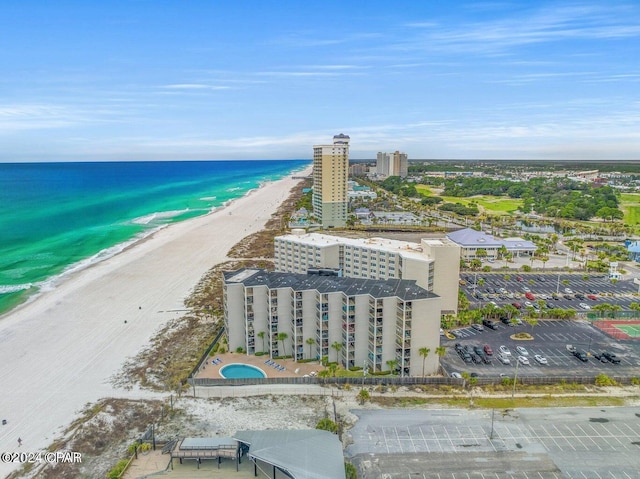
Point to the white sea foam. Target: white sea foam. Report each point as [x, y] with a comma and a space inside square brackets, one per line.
[235, 188]
[208, 198]
[14, 288]
[145, 220]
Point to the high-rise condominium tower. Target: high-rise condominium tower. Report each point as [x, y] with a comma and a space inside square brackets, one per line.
[330, 175]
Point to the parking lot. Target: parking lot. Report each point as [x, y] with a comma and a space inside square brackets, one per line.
[559, 443]
[558, 290]
[550, 340]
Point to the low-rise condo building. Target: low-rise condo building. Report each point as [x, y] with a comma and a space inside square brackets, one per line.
[372, 323]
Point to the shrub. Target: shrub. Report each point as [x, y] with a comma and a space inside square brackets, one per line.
[635, 381]
[115, 472]
[240, 349]
[260, 353]
[327, 424]
[604, 380]
[350, 471]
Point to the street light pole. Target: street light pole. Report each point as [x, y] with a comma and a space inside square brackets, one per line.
[515, 379]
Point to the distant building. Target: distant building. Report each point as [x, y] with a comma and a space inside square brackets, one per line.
[330, 175]
[470, 241]
[357, 322]
[358, 169]
[434, 263]
[392, 164]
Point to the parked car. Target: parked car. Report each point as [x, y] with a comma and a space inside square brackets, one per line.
[503, 291]
[611, 357]
[478, 350]
[541, 279]
[581, 355]
[485, 359]
[522, 350]
[528, 304]
[504, 350]
[529, 296]
[550, 305]
[555, 296]
[489, 324]
[525, 290]
[568, 297]
[568, 290]
[592, 297]
[475, 359]
[579, 296]
[523, 360]
[487, 350]
[516, 305]
[456, 375]
[584, 306]
[519, 278]
[540, 359]
[477, 327]
[600, 357]
[504, 359]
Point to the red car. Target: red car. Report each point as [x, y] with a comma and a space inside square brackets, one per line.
[487, 350]
[529, 296]
[592, 297]
[516, 305]
[519, 278]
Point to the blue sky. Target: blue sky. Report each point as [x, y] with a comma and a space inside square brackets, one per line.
[142, 80]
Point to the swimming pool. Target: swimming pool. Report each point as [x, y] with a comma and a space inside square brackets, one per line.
[241, 371]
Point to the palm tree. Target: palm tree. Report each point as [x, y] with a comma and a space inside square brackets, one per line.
[261, 336]
[392, 364]
[424, 352]
[333, 367]
[283, 337]
[337, 346]
[532, 322]
[310, 342]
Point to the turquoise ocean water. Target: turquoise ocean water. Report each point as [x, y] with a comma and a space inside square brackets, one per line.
[56, 218]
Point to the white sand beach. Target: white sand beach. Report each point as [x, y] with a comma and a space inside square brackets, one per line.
[58, 352]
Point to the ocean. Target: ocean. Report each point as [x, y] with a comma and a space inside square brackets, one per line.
[57, 218]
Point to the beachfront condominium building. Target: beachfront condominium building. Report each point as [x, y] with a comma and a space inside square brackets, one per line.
[392, 164]
[330, 175]
[377, 324]
[434, 264]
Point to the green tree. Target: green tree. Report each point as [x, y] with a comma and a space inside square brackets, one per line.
[282, 337]
[363, 396]
[311, 342]
[424, 352]
[350, 471]
[337, 347]
[261, 336]
[392, 364]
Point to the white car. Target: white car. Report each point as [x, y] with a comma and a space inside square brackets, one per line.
[456, 375]
[585, 306]
[522, 351]
[540, 359]
[523, 360]
[504, 359]
[504, 350]
[568, 291]
[503, 291]
[528, 304]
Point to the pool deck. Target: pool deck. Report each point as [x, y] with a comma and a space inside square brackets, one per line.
[292, 369]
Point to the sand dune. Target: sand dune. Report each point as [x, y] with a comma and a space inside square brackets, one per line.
[58, 352]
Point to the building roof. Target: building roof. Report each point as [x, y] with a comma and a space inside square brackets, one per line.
[405, 248]
[470, 238]
[406, 290]
[302, 454]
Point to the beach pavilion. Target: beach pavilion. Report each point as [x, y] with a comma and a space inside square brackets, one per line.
[293, 454]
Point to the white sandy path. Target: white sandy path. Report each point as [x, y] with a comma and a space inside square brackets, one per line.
[58, 352]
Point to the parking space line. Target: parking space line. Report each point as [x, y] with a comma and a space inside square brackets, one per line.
[384, 435]
[621, 434]
[613, 436]
[563, 437]
[589, 437]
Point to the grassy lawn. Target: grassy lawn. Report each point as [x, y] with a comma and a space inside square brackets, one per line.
[503, 403]
[630, 204]
[425, 190]
[490, 204]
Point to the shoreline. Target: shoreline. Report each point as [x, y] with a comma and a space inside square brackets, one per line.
[52, 283]
[61, 350]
